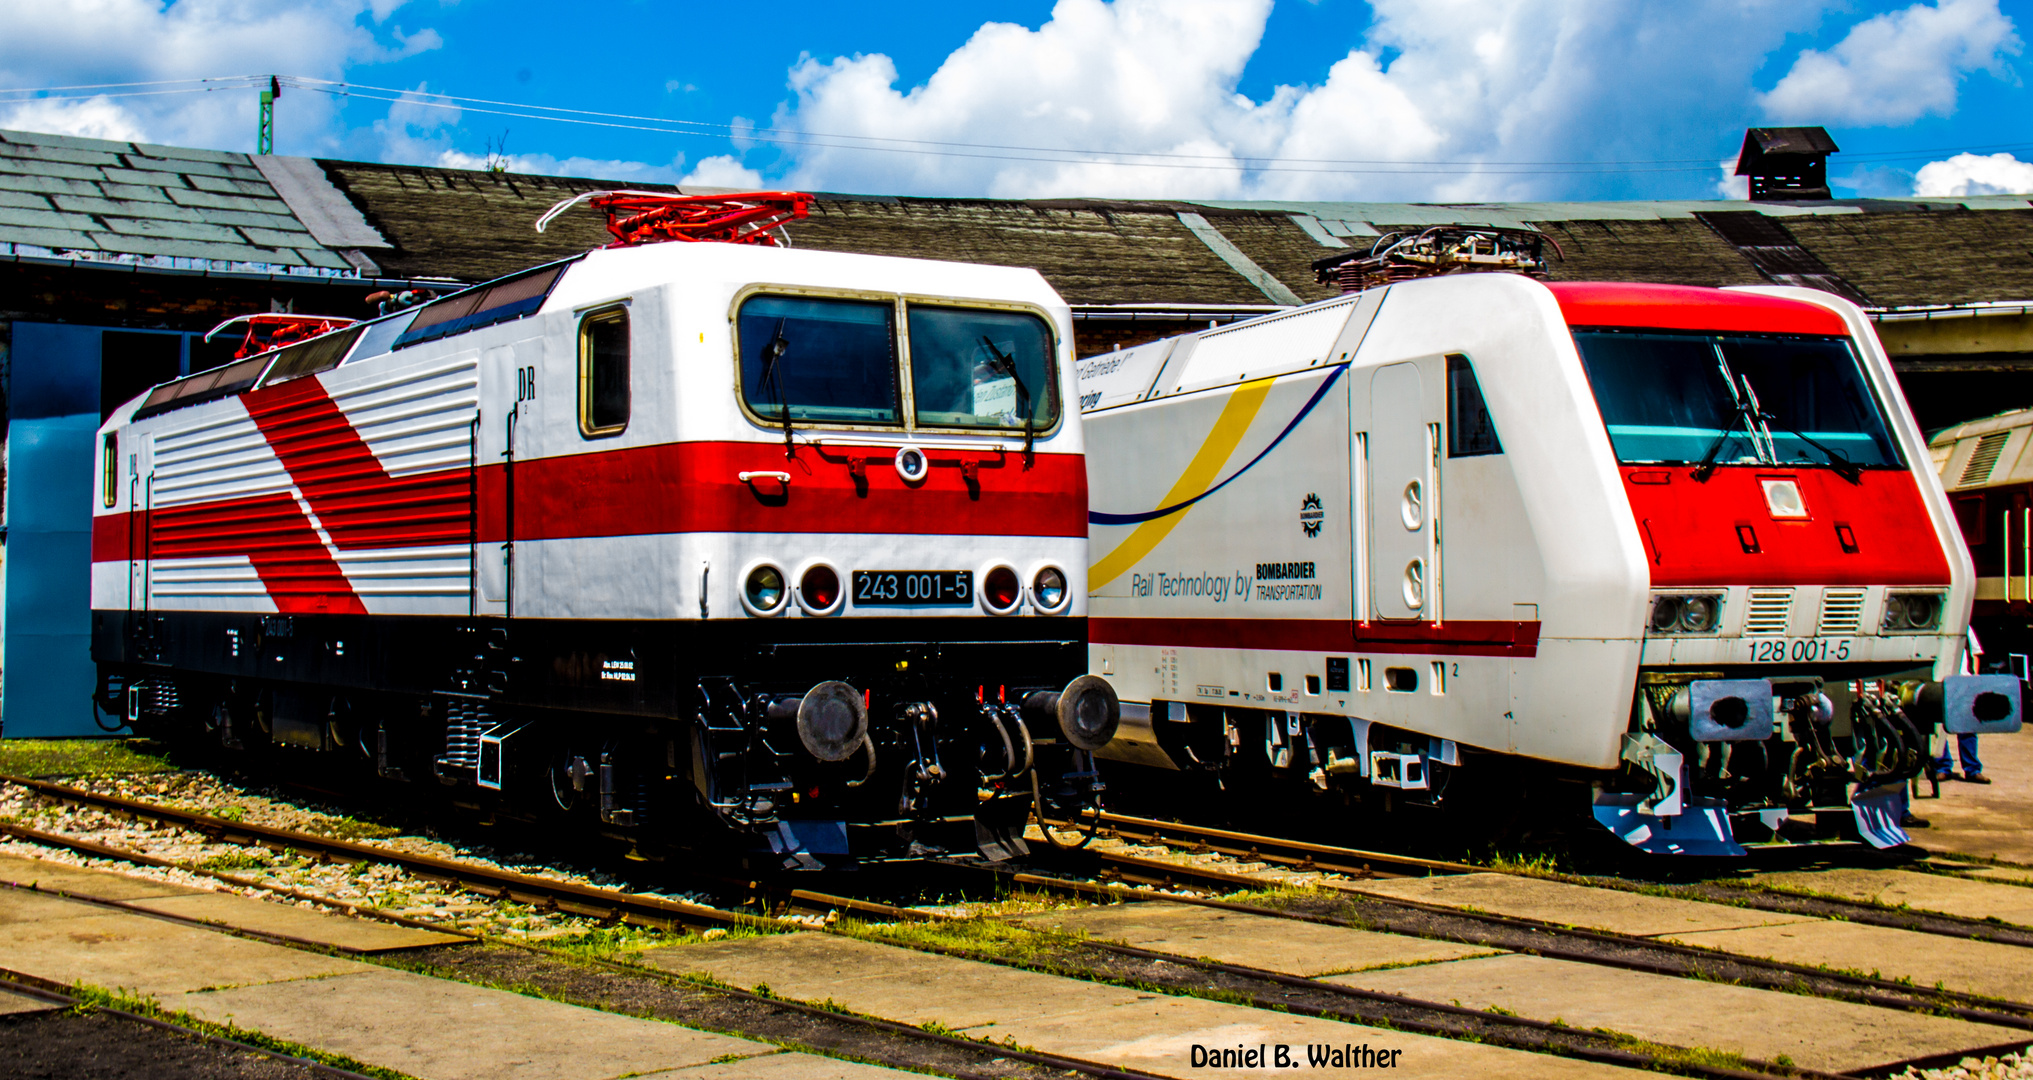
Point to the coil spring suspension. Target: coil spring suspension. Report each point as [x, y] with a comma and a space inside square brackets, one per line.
[465, 720]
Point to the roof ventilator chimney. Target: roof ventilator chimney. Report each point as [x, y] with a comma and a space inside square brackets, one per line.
[1442, 249]
[1786, 164]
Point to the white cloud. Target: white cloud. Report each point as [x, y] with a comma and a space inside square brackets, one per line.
[723, 170]
[71, 42]
[547, 165]
[1974, 174]
[1729, 185]
[1896, 67]
[1474, 82]
[92, 118]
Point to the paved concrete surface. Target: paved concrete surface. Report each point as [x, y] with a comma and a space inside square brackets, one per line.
[1925, 892]
[1976, 967]
[1985, 820]
[1564, 904]
[226, 909]
[98, 884]
[300, 923]
[1114, 1025]
[1835, 1036]
[430, 1028]
[147, 956]
[1284, 945]
[451, 1031]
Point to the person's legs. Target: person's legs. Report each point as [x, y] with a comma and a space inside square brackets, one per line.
[1942, 768]
[1966, 748]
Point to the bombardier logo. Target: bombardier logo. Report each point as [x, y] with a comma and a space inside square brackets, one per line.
[1311, 514]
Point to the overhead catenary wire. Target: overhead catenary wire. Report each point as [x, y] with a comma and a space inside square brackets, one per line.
[793, 138]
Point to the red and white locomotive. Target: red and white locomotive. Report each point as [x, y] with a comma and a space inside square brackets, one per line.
[693, 540]
[1681, 545]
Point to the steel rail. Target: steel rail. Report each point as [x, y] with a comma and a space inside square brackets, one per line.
[348, 851]
[565, 896]
[1883, 993]
[1298, 854]
[612, 902]
[1279, 851]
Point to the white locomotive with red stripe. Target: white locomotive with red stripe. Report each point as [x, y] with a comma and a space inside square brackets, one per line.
[693, 540]
[1681, 545]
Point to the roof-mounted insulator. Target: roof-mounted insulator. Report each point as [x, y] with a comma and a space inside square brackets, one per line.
[273, 330]
[1442, 249]
[1786, 163]
[648, 217]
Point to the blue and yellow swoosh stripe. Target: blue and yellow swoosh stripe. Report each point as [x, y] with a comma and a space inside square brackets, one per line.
[1196, 482]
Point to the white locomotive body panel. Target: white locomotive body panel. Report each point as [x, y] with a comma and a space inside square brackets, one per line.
[1308, 526]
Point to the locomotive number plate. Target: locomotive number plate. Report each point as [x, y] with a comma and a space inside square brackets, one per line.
[914, 588]
[1797, 650]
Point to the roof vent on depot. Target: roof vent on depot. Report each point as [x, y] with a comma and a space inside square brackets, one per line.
[1786, 164]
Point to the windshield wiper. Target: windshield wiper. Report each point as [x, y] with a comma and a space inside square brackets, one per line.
[1843, 466]
[1748, 413]
[1004, 364]
[772, 376]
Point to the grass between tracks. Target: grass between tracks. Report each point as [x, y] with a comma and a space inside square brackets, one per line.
[82, 757]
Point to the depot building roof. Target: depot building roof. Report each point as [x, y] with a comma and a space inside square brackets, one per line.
[92, 200]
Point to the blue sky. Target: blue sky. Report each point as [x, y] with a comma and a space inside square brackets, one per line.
[1442, 100]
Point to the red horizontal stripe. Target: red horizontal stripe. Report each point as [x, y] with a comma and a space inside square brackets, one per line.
[670, 488]
[1685, 307]
[1466, 638]
[695, 487]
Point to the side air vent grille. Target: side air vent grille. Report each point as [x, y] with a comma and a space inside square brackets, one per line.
[1842, 611]
[1984, 458]
[1768, 611]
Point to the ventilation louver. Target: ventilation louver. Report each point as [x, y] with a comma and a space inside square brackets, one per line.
[1842, 611]
[1983, 459]
[1768, 611]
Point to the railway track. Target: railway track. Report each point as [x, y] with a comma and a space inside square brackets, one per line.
[1265, 988]
[1516, 934]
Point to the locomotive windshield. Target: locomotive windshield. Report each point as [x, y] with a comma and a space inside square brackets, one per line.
[823, 360]
[835, 361]
[1735, 398]
[974, 368]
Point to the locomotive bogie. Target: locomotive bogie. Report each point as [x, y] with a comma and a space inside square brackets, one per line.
[686, 540]
[1480, 517]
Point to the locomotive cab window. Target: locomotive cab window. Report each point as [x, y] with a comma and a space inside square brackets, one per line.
[818, 360]
[1770, 399]
[1470, 431]
[603, 372]
[977, 368]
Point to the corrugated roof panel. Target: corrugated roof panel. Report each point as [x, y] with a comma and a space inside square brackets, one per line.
[175, 230]
[60, 239]
[191, 249]
[30, 152]
[24, 166]
[187, 197]
[187, 153]
[45, 219]
[37, 138]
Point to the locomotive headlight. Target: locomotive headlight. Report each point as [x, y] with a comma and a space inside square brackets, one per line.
[1686, 613]
[1698, 614]
[1001, 589]
[763, 592]
[1665, 614]
[1048, 589]
[1906, 612]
